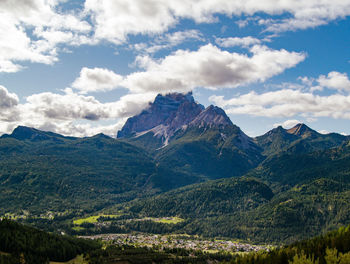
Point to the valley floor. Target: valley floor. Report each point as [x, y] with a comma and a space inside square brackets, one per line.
[179, 241]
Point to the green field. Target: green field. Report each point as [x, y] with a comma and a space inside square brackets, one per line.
[93, 219]
[78, 260]
[170, 220]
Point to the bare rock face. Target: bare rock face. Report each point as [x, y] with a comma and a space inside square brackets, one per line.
[212, 116]
[171, 112]
[303, 131]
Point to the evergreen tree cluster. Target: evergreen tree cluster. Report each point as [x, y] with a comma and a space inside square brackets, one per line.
[331, 248]
[24, 244]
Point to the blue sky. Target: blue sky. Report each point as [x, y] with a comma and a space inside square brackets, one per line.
[83, 67]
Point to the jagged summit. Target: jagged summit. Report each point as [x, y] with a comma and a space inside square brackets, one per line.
[171, 112]
[299, 138]
[212, 116]
[301, 130]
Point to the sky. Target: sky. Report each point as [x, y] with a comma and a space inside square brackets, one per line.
[80, 68]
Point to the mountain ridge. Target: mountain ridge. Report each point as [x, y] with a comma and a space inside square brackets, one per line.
[46, 171]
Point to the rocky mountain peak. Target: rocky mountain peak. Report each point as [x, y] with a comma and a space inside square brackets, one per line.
[212, 116]
[302, 130]
[171, 111]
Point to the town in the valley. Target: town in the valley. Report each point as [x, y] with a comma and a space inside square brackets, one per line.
[178, 241]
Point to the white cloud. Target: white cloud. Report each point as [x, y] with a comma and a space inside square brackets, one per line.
[335, 80]
[30, 30]
[69, 113]
[15, 45]
[71, 106]
[8, 104]
[169, 40]
[35, 30]
[7, 99]
[324, 132]
[42, 13]
[96, 80]
[209, 67]
[115, 20]
[288, 123]
[71, 128]
[309, 14]
[287, 103]
[235, 41]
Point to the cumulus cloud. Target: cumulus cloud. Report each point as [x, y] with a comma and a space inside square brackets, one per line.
[335, 80]
[69, 113]
[211, 68]
[30, 30]
[8, 105]
[288, 123]
[35, 30]
[286, 103]
[71, 128]
[114, 20]
[7, 99]
[71, 106]
[309, 14]
[324, 132]
[96, 80]
[235, 41]
[169, 40]
[76, 115]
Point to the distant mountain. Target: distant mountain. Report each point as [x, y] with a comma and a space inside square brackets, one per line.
[298, 139]
[163, 117]
[181, 134]
[170, 114]
[32, 134]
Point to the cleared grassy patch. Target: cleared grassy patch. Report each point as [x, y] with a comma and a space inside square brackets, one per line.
[170, 220]
[78, 260]
[78, 228]
[93, 219]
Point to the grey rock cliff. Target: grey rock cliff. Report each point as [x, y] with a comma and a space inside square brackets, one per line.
[170, 113]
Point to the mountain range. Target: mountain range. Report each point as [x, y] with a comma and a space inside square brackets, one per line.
[178, 158]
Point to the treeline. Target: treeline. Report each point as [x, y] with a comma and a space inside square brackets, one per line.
[332, 248]
[244, 208]
[212, 198]
[24, 244]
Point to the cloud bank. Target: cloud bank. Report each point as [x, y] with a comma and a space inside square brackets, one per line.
[38, 30]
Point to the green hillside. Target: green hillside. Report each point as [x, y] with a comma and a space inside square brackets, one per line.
[311, 195]
[211, 153]
[49, 172]
[299, 139]
[213, 198]
[49, 179]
